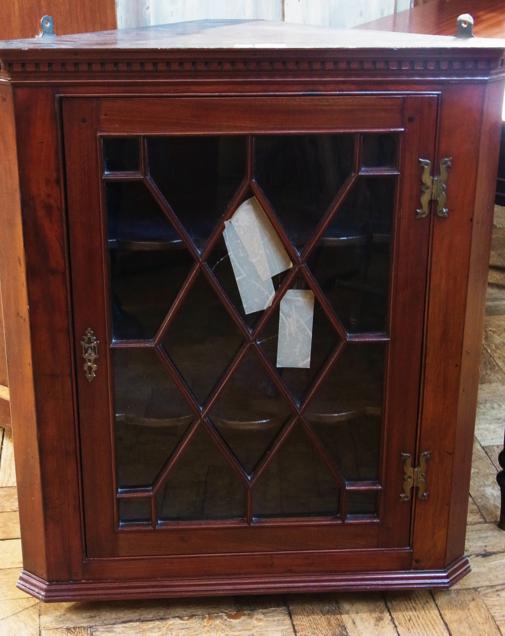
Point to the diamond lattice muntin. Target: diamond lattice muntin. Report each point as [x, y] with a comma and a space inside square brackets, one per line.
[207, 428]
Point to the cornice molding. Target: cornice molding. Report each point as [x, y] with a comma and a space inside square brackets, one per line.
[153, 65]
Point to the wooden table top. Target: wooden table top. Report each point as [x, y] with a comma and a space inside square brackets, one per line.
[438, 17]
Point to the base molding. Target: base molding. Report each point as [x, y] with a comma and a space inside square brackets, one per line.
[226, 586]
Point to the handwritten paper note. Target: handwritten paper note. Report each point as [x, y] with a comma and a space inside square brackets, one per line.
[261, 241]
[296, 317]
[256, 294]
[256, 254]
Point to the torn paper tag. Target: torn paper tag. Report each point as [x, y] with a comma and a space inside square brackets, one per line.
[296, 316]
[256, 294]
[261, 241]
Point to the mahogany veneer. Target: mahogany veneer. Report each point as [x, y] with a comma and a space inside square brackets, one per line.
[176, 459]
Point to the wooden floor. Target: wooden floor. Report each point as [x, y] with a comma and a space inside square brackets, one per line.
[474, 607]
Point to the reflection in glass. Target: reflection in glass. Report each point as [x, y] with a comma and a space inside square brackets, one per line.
[121, 154]
[296, 482]
[346, 412]
[249, 412]
[203, 339]
[198, 176]
[301, 175]
[351, 262]
[201, 486]
[151, 416]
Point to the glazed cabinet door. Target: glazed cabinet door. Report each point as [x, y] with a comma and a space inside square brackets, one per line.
[206, 429]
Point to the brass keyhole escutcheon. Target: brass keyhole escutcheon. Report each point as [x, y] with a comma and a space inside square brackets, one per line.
[89, 344]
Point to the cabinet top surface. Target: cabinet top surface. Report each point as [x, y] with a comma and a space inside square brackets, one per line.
[244, 34]
[249, 50]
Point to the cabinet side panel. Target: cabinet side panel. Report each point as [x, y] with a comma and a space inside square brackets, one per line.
[47, 281]
[5, 411]
[474, 317]
[15, 303]
[460, 122]
[3, 361]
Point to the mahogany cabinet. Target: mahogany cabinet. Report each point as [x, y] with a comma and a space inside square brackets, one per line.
[160, 450]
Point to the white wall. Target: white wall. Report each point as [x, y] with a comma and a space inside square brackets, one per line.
[334, 13]
[141, 12]
[339, 13]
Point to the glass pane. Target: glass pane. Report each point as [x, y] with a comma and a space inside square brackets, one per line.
[346, 412]
[361, 503]
[324, 341]
[353, 444]
[249, 412]
[144, 284]
[121, 154]
[198, 176]
[296, 482]
[301, 175]
[379, 151]
[352, 260]
[201, 486]
[203, 339]
[136, 510]
[134, 217]
[151, 416]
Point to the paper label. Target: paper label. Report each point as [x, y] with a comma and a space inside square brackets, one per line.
[296, 317]
[256, 294]
[260, 240]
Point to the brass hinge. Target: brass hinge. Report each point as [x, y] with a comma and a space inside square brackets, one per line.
[415, 477]
[434, 188]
